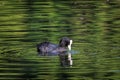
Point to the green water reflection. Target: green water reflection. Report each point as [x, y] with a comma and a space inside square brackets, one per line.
[92, 24]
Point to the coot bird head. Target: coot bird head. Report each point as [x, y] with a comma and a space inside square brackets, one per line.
[64, 42]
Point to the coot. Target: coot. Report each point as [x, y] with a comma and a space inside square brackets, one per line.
[62, 49]
[47, 48]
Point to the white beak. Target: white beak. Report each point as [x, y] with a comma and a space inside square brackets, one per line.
[69, 46]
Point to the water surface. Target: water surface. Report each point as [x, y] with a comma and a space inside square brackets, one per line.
[93, 25]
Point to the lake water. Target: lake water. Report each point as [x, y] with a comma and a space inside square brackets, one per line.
[93, 25]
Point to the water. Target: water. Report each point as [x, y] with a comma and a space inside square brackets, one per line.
[93, 25]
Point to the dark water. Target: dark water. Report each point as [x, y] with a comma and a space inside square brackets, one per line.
[92, 24]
